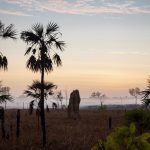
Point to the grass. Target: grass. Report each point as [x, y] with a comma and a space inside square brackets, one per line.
[62, 133]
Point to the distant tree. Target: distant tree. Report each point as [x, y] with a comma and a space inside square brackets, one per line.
[99, 96]
[5, 33]
[135, 92]
[42, 45]
[4, 94]
[93, 95]
[60, 97]
[146, 95]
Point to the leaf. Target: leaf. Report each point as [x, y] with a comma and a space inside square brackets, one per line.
[132, 128]
[57, 59]
[144, 136]
[60, 45]
[145, 145]
[38, 28]
[51, 27]
[100, 145]
[9, 32]
[28, 51]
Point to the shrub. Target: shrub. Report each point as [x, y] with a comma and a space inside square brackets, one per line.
[140, 117]
[124, 138]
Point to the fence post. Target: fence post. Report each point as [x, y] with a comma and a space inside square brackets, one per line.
[110, 122]
[18, 123]
[2, 122]
[11, 131]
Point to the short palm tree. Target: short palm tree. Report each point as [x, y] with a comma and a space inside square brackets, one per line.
[5, 33]
[42, 45]
[34, 90]
[4, 94]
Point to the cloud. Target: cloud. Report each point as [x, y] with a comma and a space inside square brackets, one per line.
[87, 7]
[13, 12]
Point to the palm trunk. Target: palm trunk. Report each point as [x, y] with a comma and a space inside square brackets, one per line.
[42, 113]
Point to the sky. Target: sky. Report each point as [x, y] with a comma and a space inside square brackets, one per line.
[107, 44]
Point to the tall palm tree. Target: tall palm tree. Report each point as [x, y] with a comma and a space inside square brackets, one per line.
[42, 44]
[5, 33]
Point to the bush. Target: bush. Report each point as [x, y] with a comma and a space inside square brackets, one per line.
[140, 117]
[124, 138]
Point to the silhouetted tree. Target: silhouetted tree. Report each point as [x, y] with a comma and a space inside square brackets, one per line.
[135, 92]
[34, 90]
[146, 95]
[4, 94]
[5, 33]
[98, 95]
[60, 97]
[42, 43]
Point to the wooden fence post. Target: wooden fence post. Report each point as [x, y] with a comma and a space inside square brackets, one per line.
[110, 122]
[18, 123]
[3, 122]
[11, 131]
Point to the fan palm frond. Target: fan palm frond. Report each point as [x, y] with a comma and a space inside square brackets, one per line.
[38, 29]
[3, 62]
[1, 28]
[5, 98]
[60, 45]
[146, 102]
[28, 51]
[57, 59]
[34, 90]
[33, 64]
[48, 64]
[29, 37]
[29, 93]
[51, 28]
[9, 32]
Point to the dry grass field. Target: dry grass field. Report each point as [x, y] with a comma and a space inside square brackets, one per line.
[62, 133]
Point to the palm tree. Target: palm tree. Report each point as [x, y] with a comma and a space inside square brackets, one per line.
[6, 32]
[60, 97]
[146, 95]
[42, 43]
[34, 90]
[4, 94]
[135, 92]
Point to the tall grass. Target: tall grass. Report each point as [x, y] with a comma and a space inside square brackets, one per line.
[62, 133]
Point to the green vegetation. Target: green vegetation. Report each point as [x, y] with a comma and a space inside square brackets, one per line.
[140, 117]
[124, 138]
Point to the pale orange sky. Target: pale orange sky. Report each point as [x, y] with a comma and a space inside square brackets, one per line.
[107, 50]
